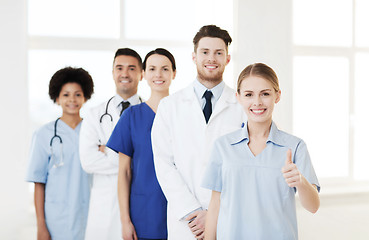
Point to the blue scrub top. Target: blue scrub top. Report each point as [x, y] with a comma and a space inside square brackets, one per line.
[148, 205]
[67, 188]
[255, 200]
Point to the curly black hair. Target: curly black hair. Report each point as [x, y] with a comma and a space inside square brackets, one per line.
[71, 75]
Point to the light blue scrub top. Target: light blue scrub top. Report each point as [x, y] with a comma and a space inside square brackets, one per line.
[67, 189]
[255, 200]
[148, 205]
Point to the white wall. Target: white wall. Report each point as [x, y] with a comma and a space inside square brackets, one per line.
[14, 140]
[263, 34]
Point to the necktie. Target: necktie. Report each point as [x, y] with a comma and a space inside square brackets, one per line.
[125, 105]
[208, 108]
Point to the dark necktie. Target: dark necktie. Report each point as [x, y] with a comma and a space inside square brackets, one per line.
[125, 105]
[208, 108]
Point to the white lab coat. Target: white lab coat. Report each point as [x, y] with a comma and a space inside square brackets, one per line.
[182, 143]
[103, 218]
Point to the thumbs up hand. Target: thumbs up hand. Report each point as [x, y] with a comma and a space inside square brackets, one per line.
[290, 172]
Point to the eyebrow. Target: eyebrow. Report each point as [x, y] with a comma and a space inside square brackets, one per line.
[219, 49]
[120, 65]
[264, 90]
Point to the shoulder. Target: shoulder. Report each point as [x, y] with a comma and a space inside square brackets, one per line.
[230, 138]
[185, 93]
[288, 139]
[45, 131]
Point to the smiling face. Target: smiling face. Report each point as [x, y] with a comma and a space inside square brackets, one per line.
[211, 58]
[257, 97]
[127, 74]
[159, 72]
[71, 98]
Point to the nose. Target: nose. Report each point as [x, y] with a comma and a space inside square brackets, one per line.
[257, 101]
[211, 57]
[158, 73]
[125, 72]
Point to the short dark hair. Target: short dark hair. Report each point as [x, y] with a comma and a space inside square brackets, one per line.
[71, 75]
[214, 32]
[129, 52]
[160, 51]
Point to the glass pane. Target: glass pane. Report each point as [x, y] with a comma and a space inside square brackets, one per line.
[361, 119]
[322, 23]
[174, 20]
[321, 111]
[362, 23]
[74, 18]
[44, 63]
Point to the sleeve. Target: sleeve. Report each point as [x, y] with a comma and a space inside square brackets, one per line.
[213, 174]
[304, 164]
[38, 161]
[120, 140]
[175, 189]
[92, 160]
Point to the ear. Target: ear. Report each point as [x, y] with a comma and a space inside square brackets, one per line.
[57, 101]
[238, 97]
[228, 59]
[194, 57]
[174, 74]
[142, 74]
[278, 96]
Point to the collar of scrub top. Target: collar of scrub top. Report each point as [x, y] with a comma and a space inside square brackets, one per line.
[243, 135]
[200, 89]
[135, 99]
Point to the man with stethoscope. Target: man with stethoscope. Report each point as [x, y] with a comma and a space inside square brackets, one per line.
[103, 218]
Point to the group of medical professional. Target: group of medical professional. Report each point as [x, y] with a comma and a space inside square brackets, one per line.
[206, 162]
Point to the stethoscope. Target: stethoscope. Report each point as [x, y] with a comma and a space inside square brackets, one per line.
[107, 113]
[56, 136]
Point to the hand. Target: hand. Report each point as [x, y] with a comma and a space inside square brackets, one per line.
[128, 231]
[290, 172]
[43, 234]
[197, 225]
[102, 148]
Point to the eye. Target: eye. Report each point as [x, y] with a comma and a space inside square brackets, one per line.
[78, 94]
[132, 69]
[265, 94]
[219, 53]
[65, 94]
[248, 95]
[166, 69]
[119, 68]
[204, 52]
[151, 69]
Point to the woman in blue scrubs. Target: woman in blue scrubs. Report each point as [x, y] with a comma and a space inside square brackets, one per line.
[255, 172]
[143, 206]
[61, 186]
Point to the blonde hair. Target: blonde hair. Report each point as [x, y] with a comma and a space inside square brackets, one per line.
[260, 70]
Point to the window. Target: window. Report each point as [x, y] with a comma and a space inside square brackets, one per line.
[86, 33]
[330, 107]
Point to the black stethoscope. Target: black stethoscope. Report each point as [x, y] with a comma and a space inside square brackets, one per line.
[56, 136]
[106, 110]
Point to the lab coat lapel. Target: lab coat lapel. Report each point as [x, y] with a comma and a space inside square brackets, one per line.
[227, 98]
[195, 111]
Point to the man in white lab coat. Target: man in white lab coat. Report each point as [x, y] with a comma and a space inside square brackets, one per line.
[185, 127]
[103, 221]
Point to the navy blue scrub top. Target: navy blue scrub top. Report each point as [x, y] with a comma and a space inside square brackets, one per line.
[148, 205]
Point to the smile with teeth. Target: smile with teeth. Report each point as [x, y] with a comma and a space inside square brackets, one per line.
[258, 111]
[124, 81]
[159, 82]
[211, 67]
